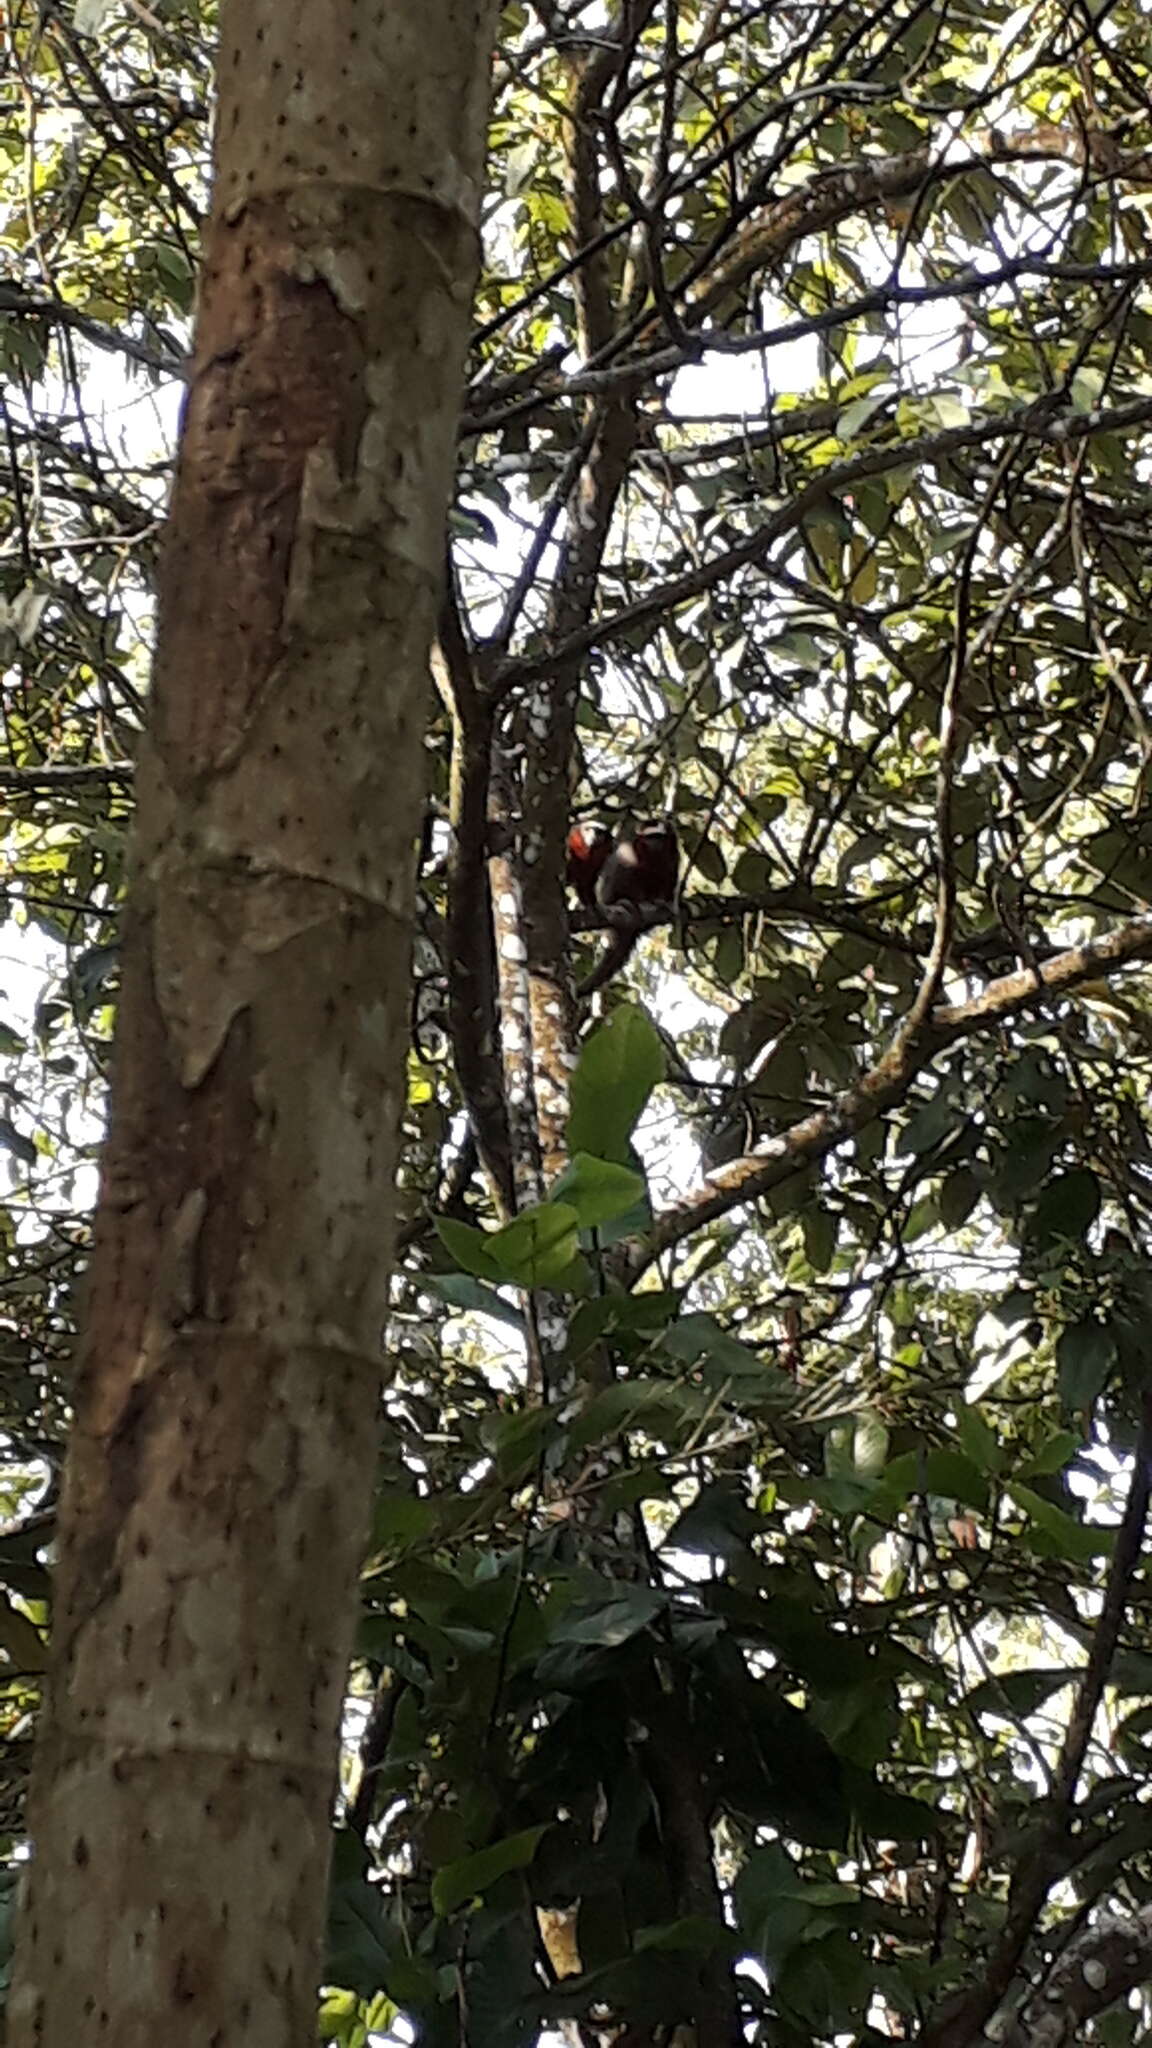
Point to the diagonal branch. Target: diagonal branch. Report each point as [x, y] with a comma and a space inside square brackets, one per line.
[833, 196]
[811, 1140]
[1036, 419]
[28, 305]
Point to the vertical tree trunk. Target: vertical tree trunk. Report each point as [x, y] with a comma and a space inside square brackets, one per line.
[222, 1460]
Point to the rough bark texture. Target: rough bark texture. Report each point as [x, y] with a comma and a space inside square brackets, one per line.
[222, 1462]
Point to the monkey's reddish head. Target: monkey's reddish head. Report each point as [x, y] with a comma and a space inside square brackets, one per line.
[587, 850]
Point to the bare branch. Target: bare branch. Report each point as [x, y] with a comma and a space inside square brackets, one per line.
[49, 775]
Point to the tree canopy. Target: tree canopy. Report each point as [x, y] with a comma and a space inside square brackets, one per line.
[755, 1631]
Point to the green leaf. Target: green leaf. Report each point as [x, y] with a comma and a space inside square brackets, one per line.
[826, 1982]
[752, 874]
[1085, 1356]
[695, 1934]
[804, 1793]
[619, 1067]
[773, 1909]
[729, 955]
[1032, 1145]
[1018, 1693]
[854, 418]
[1131, 1671]
[515, 1439]
[471, 1876]
[952, 1475]
[463, 1291]
[930, 1124]
[869, 1445]
[539, 1248]
[1016, 1307]
[978, 1440]
[632, 1403]
[597, 1190]
[401, 1518]
[468, 1247]
[820, 1227]
[609, 1622]
[698, 1336]
[585, 1640]
[358, 1946]
[89, 974]
[1052, 1456]
[1068, 1206]
[339, 2022]
[708, 861]
[645, 1314]
[857, 1448]
[1054, 1534]
[958, 1197]
[719, 1522]
[946, 1473]
[881, 1811]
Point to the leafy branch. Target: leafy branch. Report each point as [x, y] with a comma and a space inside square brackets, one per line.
[887, 1083]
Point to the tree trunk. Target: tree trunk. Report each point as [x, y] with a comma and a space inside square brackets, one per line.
[222, 1461]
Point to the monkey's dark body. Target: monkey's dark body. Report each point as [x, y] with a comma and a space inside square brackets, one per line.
[637, 874]
[641, 868]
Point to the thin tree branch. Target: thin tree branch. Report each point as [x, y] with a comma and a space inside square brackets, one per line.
[1034, 419]
[67, 775]
[36, 306]
[746, 1180]
[550, 387]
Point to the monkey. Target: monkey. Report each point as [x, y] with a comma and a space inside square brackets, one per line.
[642, 866]
[587, 849]
[638, 875]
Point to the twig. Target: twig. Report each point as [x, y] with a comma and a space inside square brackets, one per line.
[67, 775]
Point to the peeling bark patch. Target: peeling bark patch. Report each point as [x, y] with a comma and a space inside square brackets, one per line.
[279, 373]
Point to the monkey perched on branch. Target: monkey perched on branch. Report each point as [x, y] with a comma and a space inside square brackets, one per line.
[633, 879]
